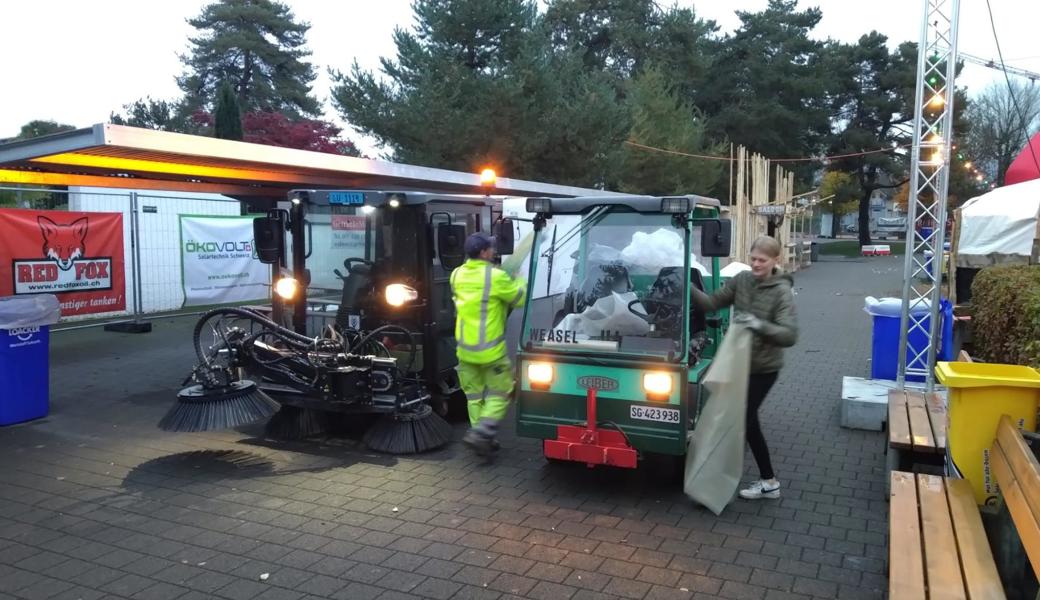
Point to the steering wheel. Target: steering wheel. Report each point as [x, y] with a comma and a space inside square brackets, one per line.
[649, 318]
[349, 265]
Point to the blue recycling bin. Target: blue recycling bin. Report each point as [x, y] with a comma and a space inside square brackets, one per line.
[885, 341]
[24, 368]
[25, 356]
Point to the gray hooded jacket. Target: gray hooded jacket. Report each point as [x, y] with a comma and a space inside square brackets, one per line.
[771, 301]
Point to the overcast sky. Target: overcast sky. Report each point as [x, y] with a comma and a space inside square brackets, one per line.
[75, 61]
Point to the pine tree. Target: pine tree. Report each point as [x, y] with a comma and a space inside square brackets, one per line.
[476, 83]
[770, 85]
[660, 119]
[227, 116]
[258, 47]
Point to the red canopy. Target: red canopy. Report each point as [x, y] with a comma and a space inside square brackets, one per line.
[1024, 168]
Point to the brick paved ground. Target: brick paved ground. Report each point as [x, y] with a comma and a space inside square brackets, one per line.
[97, 503]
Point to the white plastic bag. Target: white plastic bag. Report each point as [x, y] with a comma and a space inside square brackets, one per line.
[733, 268]
[649, 252]
[611, 314]
[29, 311]
[603, 254]
[715, 455]
[891, 307]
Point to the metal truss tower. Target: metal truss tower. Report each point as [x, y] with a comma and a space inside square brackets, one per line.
[929, 180]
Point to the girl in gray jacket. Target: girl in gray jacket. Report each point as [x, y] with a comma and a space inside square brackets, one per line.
[762, 300]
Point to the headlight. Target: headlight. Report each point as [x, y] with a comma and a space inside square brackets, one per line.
[540, 374]
[287, 288]
[657, 385]
[397, 294]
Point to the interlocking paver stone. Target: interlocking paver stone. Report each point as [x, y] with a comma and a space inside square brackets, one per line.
[96, 502]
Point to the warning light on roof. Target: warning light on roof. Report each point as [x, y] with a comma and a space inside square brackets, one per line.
[488, 178]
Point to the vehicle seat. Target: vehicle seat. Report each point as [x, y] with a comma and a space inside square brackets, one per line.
[667, 290]
[355, 286]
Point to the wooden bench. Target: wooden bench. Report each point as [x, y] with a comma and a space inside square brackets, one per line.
[1017, 472]
[937, 546]
[916, 430]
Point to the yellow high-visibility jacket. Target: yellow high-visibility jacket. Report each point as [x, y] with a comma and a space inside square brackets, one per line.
[483, 295]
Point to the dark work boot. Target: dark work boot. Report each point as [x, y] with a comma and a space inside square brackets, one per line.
[479, 444]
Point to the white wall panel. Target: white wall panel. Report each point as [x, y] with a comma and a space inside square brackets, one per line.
[160, 236]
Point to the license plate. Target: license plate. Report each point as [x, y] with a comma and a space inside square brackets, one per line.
[346, 198]
[652, 413]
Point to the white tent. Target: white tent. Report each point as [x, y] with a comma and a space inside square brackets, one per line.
[1000, 227]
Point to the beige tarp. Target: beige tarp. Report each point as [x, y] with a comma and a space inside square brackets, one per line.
[715, 455]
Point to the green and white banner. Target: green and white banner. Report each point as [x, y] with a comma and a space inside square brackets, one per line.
[219, 263]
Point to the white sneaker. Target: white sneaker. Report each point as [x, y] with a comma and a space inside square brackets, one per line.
[761, 489]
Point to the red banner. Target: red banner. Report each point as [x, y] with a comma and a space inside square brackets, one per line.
[77, 256]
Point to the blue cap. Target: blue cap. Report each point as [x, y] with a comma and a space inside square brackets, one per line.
[477, 243]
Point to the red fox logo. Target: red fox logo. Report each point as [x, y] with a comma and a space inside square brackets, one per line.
[63, 243]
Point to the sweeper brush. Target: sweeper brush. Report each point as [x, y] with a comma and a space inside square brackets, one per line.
[201, 409]
[409, 432]
[294, 423]
[303, 382]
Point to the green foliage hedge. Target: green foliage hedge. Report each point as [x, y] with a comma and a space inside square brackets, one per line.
[1006, 308]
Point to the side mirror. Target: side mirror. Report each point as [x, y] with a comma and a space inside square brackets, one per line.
[716, 237]
[504, 236]
[268, 239]
[451, 240]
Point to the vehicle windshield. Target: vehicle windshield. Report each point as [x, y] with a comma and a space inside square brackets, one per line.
[611, 281]
[338, 236]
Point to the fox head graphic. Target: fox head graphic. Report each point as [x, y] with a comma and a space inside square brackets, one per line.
[63, 243]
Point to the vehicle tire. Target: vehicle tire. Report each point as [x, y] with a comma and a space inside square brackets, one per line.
[668, 467]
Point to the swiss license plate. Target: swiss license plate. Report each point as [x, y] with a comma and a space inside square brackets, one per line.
[652, 413]
[347, 198]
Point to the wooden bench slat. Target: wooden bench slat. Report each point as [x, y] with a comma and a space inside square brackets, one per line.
[940, 544]
[1028, 529]
[1018, 474]
[937, 417]
[920, 427]
[1024, 466]
[898, 421]
[980, 572]
[905, 561]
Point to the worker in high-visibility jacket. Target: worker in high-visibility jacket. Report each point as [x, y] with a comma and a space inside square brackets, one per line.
[484, 295]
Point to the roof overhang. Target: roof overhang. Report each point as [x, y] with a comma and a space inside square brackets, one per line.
[636, 203]
[107, 155]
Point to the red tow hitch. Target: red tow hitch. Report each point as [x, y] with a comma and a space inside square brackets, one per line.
[589, 444]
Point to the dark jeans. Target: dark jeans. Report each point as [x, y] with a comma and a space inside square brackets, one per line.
[759, 385]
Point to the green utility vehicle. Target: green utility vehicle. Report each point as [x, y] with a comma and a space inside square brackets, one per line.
[612, 351]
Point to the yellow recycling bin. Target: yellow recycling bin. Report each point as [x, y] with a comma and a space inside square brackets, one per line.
[979, 393]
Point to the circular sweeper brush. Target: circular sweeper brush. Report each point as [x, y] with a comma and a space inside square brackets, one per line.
[201, 408]
[409, 432]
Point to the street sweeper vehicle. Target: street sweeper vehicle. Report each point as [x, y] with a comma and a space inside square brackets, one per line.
[612, 350]
[360, 331]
